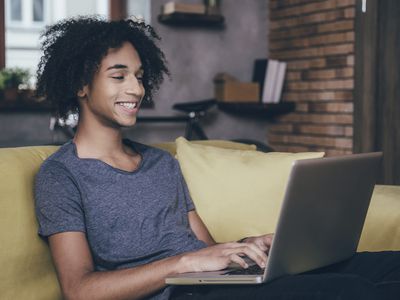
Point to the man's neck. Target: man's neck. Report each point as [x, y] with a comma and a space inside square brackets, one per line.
[94, 142]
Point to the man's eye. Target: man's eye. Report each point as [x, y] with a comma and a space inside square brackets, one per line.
[117, 77]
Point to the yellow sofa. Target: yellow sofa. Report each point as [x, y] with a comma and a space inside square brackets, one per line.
[27, 271]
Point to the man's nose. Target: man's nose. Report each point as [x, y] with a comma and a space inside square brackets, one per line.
[134, 86]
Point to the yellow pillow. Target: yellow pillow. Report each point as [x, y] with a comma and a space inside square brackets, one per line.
[237, 193]
[382, 226]
[171, 146]
[27, 270]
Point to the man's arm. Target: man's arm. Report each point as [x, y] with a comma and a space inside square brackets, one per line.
[264, 242]
[79, 280]
[200, 229]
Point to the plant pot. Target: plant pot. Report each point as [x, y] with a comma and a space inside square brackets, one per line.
[11, 94]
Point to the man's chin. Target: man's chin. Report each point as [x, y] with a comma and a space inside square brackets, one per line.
[128, 124]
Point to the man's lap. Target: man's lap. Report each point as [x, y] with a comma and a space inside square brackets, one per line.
[364, 276]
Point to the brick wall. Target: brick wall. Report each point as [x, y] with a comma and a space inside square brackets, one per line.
[316, 39]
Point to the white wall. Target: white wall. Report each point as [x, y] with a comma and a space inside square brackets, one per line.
[140, 9]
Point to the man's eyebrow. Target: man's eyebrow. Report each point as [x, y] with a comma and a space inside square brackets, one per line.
[119, 66]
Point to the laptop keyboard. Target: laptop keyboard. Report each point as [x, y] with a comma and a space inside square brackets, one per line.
[252, 270]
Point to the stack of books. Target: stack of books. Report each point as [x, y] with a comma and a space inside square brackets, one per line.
[185, 8]
[270, 75]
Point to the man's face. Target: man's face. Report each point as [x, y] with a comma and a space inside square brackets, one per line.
[114, 96]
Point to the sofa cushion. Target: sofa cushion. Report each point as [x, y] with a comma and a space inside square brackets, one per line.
[26, 268]
[237, 193]
[171, 146]
[382, 226]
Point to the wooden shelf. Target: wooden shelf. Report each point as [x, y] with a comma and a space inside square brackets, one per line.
[262, 110]
[192, 20]
[21, 102]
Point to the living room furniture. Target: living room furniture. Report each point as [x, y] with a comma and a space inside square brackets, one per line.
[27, 270]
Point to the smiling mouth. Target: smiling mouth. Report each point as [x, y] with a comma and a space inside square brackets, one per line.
[128, 105]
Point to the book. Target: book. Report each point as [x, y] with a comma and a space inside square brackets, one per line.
[188, 8]
[259, 72]
[280, 78]
[270, 75]
[270, 81]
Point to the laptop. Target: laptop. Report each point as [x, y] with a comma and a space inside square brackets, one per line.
[320, 222]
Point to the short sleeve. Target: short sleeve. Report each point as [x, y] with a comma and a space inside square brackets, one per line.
[185, 191]
[57, 201]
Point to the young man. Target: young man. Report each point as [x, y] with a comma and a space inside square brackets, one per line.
[117, 214]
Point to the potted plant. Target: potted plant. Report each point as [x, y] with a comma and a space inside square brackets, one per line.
[11, 80]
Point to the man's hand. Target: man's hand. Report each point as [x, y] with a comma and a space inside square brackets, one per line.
[219, 257]
[263, 242]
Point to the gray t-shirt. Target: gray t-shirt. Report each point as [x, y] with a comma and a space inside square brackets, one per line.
[129, 218]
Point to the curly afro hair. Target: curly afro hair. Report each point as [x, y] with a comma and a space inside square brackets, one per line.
[74, 48]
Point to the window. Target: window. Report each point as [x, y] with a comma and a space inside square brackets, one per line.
[16, 10]
[38, 11]
[25, 20]
[26, 13]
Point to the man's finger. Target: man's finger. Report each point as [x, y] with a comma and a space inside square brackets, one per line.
[240, 261]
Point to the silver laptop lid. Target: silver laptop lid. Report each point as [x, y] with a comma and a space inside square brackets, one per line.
[323, 212]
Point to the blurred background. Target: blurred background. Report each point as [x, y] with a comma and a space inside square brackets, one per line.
[342, 75]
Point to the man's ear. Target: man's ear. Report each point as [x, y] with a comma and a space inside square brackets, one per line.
[83, 92]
